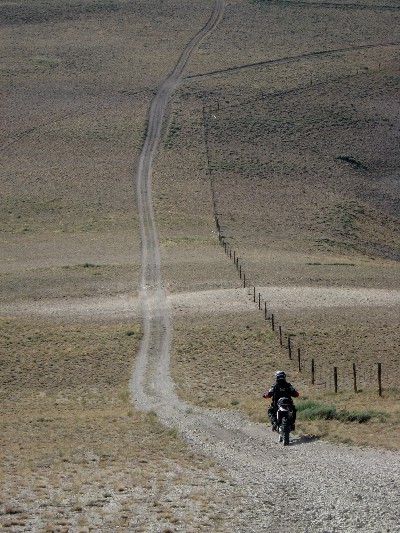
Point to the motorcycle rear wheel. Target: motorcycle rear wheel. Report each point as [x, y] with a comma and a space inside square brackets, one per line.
[285, 428]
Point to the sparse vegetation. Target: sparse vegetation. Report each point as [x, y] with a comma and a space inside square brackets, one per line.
[77, 80]
[71, 440]
[241, 369]
[314, 410]
[173, 131]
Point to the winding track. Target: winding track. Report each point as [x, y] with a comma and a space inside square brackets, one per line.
[289, 59]
[155, 309]
[317, 487]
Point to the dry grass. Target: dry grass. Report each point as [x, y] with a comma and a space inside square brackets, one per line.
[75, 115]
[230, 362]
[74, 451]
[76, 85]
[305, 193]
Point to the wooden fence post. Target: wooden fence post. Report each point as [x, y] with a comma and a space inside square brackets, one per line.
[289, 347]
[354, 378]
[272, 322]
[240, 271]
[335, 380]
[244, 280]
[380, 378]
[280, 336]
[265, 311]
[312, 372]
[299, 358]
[259, 300]
[254, 294]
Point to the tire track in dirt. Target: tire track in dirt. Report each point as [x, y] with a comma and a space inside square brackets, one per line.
[154, 349]
[288, 59]
[332, 496]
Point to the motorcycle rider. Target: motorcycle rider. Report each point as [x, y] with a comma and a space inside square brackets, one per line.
[281, 389]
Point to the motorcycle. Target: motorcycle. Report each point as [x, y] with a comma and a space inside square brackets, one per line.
[284, 417]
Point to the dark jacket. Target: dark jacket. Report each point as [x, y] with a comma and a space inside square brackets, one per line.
[281, 389]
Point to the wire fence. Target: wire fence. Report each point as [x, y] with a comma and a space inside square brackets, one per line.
[351, 375]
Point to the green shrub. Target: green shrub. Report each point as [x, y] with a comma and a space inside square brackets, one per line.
[307, 404]
[314, 410]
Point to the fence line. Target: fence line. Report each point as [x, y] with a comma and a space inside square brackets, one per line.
[301, 361]
[334, 378]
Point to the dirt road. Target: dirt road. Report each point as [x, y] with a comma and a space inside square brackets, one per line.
[309, 486]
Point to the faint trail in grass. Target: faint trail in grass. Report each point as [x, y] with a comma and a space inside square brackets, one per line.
[21, 135]
[335, 5]
[288, 59]
[78, 112]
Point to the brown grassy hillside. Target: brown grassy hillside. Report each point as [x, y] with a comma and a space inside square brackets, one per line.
[293, 108]
[299, 150]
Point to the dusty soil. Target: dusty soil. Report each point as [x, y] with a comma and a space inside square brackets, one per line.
[293, 110]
